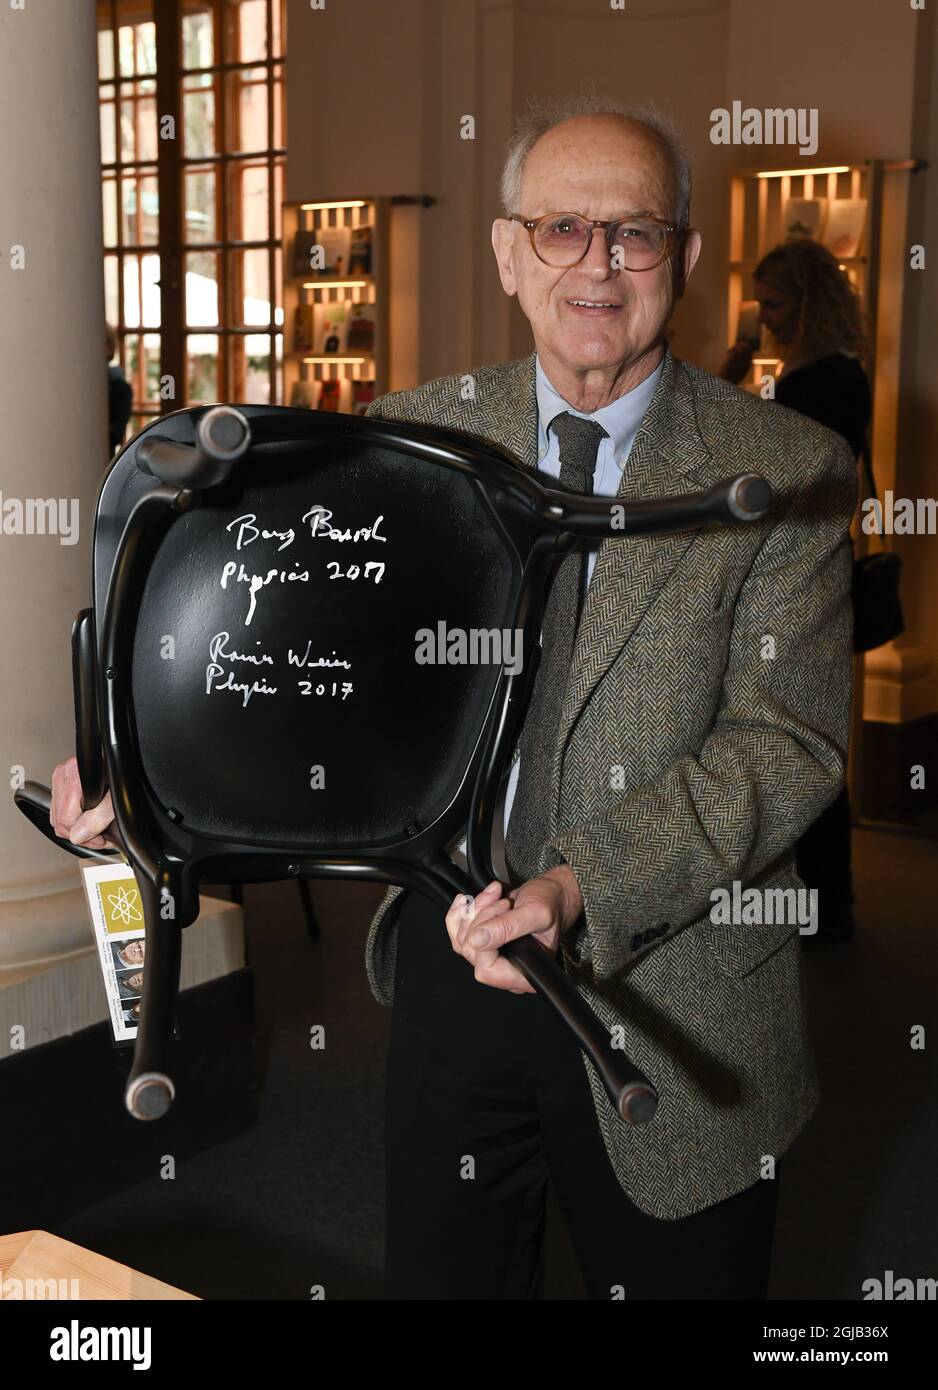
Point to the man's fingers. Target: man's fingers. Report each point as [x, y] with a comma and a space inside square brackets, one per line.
[66, 816]
[65, 807]
[458, 910]
[468, 923]
[484, 900]
[92, 823]
[489, 967]
[493, 931]
[462, 911]
[498, 973]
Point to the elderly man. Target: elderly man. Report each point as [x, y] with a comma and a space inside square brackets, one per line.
[679, 740]
[688, 721]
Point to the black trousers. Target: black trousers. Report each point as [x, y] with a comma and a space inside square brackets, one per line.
[823, 860]
[487, 1096]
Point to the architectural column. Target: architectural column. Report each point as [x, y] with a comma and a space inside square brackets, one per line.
[53, 394]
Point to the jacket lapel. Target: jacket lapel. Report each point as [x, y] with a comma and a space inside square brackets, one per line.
[668, 457]
[508, 410]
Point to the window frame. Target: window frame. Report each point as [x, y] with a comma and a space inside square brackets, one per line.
[174, 244]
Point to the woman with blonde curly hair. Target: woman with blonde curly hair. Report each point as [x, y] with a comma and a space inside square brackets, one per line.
[815, 323]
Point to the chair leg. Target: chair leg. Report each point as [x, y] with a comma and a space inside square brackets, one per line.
[309, 912]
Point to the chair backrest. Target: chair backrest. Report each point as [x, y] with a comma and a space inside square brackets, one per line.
[330, 654]
[320, 640]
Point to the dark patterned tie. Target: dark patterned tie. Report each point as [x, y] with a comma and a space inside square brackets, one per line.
[530, 811]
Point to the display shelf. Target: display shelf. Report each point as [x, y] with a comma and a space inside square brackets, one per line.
[308, 296]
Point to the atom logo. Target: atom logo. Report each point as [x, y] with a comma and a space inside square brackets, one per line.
[124, 906]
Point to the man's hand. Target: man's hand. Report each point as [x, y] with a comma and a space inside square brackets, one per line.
[65, 813]
[543, 908]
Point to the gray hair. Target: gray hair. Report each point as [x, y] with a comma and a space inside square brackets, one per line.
[543, 116]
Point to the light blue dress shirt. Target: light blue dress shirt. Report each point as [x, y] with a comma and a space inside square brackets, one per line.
[621, 421]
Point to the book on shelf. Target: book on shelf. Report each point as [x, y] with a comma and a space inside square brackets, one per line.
[803, 217]
[843, 233]
[324, 395]
[363, 393]
[321, 251]
[360, 336]
[304, 247]
[303, 394]
[359, 262]
[330, 395]
[329, 325]
[304, 328]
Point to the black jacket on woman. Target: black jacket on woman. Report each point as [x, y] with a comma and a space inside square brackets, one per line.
[832, 390]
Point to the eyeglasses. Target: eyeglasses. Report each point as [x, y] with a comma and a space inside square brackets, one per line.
[562, 239]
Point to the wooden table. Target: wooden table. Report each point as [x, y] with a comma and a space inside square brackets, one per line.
[38, 1265]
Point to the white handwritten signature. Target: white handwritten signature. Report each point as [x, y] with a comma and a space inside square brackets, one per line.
[320, 528]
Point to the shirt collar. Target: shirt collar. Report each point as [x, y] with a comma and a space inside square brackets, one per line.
[620, 419]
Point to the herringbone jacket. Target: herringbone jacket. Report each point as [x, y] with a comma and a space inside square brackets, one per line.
[704, 728]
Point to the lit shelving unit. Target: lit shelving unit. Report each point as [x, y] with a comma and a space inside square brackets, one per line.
[302, 364]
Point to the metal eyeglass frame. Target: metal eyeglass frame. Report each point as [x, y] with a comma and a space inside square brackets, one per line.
[674, 232]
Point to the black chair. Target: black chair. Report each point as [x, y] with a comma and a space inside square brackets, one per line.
[247, 681]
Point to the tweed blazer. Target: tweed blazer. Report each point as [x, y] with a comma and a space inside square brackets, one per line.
[704, 728]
